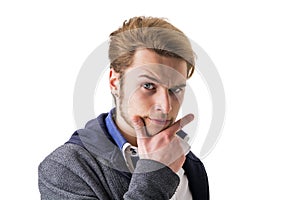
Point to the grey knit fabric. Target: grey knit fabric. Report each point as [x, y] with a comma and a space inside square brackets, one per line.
[72, 172]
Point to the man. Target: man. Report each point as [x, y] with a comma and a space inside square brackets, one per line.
[137, 150]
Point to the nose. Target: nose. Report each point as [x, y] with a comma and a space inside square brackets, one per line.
[163, 101]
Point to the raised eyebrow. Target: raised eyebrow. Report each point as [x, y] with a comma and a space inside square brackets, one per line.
[149, 77]
[179, 86]
[157, 81]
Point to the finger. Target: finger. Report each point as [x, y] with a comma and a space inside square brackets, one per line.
[172, 130]
[139, 127]
[184, 145]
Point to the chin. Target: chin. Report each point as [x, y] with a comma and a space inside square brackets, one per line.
[154, 130]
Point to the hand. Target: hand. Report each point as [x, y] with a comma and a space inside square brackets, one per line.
[165, 147]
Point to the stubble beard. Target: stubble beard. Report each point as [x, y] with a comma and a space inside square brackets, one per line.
[122, 108]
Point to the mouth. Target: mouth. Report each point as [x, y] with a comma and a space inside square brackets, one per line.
[156, 125]
[160, 122]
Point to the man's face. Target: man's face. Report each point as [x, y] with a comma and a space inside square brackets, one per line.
[152, 88]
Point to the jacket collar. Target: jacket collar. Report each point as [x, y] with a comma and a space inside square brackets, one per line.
[99, 142]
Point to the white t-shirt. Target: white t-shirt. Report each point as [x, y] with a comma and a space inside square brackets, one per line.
[182, 191]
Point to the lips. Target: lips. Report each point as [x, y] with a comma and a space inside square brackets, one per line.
[160, 122]
[156, 125]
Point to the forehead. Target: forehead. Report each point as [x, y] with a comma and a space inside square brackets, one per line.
[167, 70]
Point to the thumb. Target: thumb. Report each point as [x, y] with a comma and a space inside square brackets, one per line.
[139, 127]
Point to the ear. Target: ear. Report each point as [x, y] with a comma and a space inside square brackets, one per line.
[113, 80]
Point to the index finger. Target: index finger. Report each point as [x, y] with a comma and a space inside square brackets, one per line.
[172, 130]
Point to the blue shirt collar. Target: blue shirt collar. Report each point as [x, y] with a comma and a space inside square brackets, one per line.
[113, 130]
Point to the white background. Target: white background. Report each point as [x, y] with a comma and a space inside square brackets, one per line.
[255, 46]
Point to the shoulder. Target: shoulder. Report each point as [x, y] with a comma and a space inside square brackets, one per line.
[67, 160]
[67, 172]
[70, 157]
[68, 149]
[67, 155]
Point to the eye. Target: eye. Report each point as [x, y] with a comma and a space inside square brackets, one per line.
[149, 86]
[176, 90]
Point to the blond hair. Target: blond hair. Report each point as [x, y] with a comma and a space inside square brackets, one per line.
[152, 33]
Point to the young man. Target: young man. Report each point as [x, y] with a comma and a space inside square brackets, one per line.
[137, 150]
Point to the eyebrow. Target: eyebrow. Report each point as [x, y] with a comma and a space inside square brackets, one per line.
[179, 86]
[149, 77]
[157, 81]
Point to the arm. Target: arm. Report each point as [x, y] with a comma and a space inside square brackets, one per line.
[56, 181]
[152, 180]
[71, 173]
[162, 155]
[165, 147]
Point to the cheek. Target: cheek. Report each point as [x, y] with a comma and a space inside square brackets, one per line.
[176, 104]
[180, 97]
[138, 103]
[177, 99]
[175, 108]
